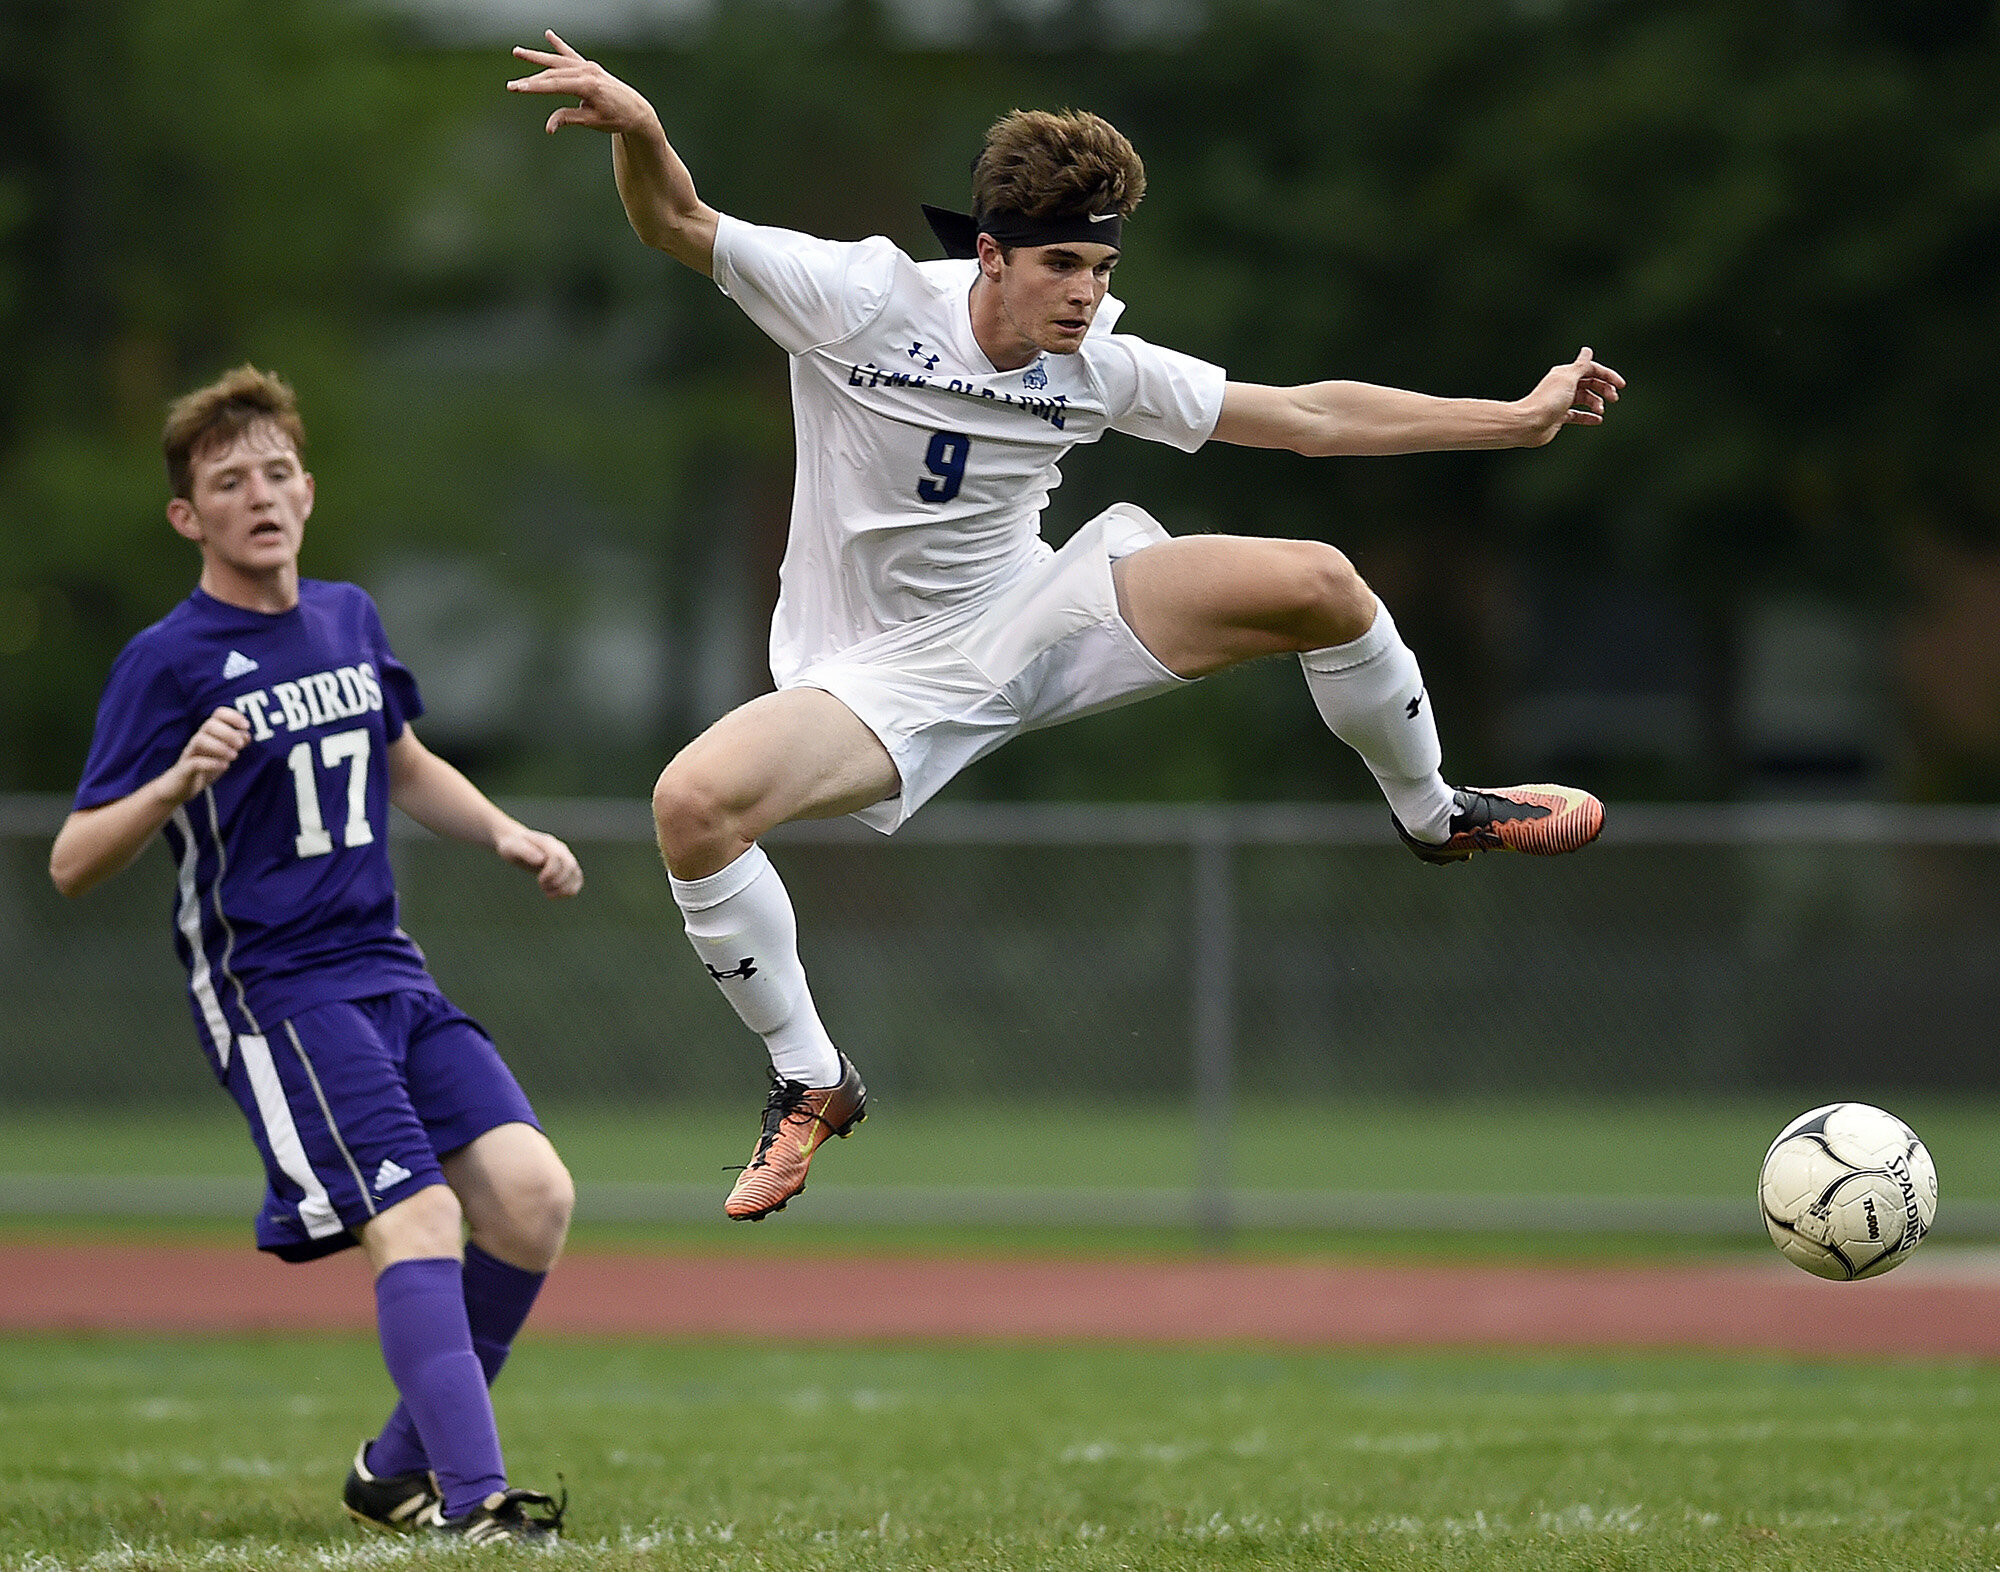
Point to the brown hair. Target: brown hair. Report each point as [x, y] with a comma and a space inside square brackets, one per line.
[1056, 164]
[214, 416]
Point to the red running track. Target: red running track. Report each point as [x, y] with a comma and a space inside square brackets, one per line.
[1941, 1307]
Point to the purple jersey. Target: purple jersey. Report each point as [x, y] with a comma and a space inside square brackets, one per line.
[285, 898]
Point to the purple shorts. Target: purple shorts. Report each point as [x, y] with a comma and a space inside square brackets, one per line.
[353, 1102]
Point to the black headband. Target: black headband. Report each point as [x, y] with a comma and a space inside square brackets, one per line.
[959, 233]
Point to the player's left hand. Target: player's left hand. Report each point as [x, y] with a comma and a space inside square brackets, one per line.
[607, 104]
[1573, 394]
[552, 863]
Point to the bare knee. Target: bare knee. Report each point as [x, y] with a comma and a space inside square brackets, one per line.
[691, 819]
[535, 1211]
[424, 1226]
[1330, 602]
[518, 1197]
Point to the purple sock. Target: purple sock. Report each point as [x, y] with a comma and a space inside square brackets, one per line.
[498, 1298]
[427, 1345]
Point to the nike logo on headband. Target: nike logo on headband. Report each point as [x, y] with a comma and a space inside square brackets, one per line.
[959, 233]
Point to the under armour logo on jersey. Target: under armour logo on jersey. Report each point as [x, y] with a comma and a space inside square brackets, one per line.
[237, 664]
[916, 352]
[746, 970]
[390, 1174]
[1414, 706]
[1036, 376]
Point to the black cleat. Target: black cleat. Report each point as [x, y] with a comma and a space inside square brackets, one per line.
[399, 1503]
[503, 1517]
[1543, 820]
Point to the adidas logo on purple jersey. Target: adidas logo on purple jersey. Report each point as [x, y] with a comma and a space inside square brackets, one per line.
[237, 664]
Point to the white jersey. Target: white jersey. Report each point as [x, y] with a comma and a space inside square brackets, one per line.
[922, 470]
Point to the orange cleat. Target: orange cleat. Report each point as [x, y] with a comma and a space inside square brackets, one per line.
[797, 1119]
[1543, 820]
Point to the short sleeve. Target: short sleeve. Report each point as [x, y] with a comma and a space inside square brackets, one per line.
[142, 725]
[401, 702]
[1160, 394]
[800, 290]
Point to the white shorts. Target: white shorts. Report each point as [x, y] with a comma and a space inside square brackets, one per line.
[1050, 647]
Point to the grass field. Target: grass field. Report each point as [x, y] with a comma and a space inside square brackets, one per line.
[166, 1455]
[215, 1453]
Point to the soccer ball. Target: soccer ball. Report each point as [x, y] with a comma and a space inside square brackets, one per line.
[1848, 1191]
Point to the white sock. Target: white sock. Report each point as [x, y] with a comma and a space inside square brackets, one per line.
[741, 925]
[1371, 696]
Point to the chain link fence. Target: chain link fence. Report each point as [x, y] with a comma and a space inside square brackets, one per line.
[1140, 952]
[1143, 954]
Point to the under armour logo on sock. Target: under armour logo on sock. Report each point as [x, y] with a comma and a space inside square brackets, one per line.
[747, 969]
[1414, 705]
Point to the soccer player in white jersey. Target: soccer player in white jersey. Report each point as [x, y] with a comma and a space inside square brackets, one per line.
[922, 620]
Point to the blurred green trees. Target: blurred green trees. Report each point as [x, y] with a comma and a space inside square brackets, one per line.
[564, 466]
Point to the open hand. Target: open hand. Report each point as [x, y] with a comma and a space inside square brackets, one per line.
[607, 103]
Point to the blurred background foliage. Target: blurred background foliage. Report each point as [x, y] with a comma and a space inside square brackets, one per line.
[563, 466]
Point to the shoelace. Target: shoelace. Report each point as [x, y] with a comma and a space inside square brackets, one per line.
[554, 1521]
[518, 1501]
[784, 1101]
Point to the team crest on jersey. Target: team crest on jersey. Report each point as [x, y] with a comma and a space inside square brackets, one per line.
[1036, 376]
[237, 664]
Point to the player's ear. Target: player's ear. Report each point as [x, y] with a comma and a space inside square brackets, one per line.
[312, 491]
[186, 522]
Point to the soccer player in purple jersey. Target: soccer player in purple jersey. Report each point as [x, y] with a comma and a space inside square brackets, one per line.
[922, 620]
[263, 726]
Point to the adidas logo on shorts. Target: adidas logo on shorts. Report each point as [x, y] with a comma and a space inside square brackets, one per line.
[389, 1175]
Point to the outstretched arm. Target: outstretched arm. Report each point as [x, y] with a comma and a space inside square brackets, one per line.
[1323, 419]
[442, 800]
[655, 186]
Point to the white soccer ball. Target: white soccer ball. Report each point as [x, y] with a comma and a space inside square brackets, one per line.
[1848, 1191]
